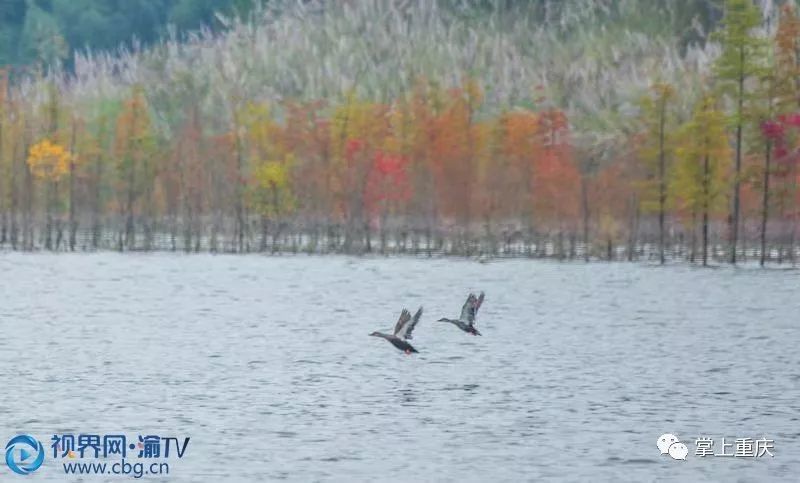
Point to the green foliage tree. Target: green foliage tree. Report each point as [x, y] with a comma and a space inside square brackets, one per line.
[12, 17]
[135, 145]
[657, 151]
[702, 156]
[41, 38]
[741, 60]
[764, 113]
[48, 30]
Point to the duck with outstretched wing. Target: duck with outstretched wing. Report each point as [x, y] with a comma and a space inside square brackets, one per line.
[402, 331]
[466, 321]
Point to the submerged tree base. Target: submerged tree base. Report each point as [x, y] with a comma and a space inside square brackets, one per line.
[260, 236]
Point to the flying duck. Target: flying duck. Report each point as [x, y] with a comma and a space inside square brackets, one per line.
[466, 321]
[402, 330]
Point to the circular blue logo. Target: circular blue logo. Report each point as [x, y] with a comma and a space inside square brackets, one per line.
[24, 454]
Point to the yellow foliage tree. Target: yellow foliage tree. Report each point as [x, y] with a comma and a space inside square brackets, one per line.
[273, 188]
[48, 160]
[699, 180]
[269, 160]
[358, 130]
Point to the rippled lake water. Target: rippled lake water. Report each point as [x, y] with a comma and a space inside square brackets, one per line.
[266, 364]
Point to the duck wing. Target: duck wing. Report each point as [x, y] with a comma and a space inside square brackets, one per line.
[408, 327]
[470, 308]
[399, 329]
[467, 313]
[476, 306]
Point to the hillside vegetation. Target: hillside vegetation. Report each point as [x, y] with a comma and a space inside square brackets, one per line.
[581, 128]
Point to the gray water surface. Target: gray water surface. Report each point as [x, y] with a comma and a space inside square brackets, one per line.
[266, 364]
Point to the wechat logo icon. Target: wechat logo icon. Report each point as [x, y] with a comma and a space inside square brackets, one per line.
[670, 444]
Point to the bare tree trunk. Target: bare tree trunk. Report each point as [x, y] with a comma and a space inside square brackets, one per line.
[276, 236]
[188, 220]
[662, 188]
[58, 227]
[706, 200]
[214, 237]
[765, 203]
[48, 237]
[367, 234]
[693, 248]
[634, 226]
[585, 206]
[73, 223]
[239, 230]
[14, 203]
[383, 231]
[264, 224]
[96, 228]
[737, 175]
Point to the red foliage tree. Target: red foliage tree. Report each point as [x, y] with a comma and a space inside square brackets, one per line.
[387, 185]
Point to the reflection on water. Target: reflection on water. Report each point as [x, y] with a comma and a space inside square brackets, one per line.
[265, 362]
